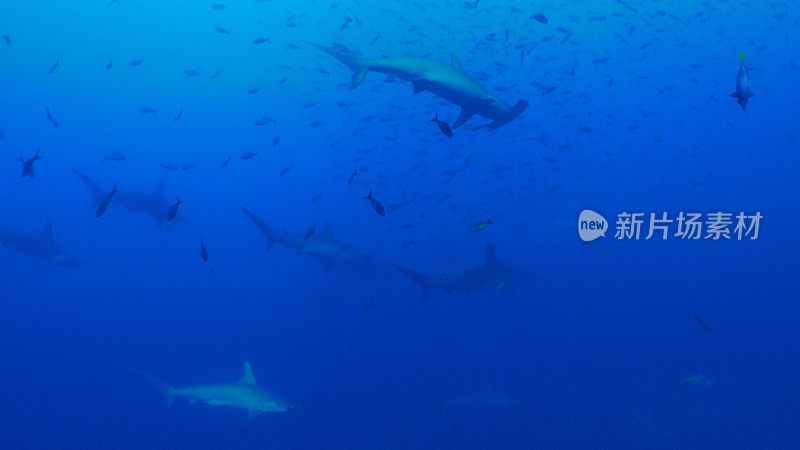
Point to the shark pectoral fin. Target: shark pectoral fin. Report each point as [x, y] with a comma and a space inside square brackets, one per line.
[358, 77]
[421, 84]
[465, 115]
[734, 95]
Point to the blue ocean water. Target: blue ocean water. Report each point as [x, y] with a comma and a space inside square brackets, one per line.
[613, 343]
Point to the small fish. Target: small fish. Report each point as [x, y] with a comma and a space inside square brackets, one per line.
[347, 21]
[316, 198]
[7, 39]
[376, 205]
[221, 30]
[27, 165]
[53, 67]
[309, 232]
[443, 126]
[479, 226]
[169, 166]
[188, 165]
[742, 93]
[109, 65]
[352, 176]
[203, 251]
[367, 307]
[116, 156]
[178, 117]
[147, 110]
[248, 155]
[698, 380]
[539, 17]
[287, 169]
[191, 73]
[276, 140]
[136, 62]
[218, 6]
[701, 322]
[173, 210]
[104, 202]
[216, 74]
[253, 91]
[260, 41]
[225, 163]
[50, 117]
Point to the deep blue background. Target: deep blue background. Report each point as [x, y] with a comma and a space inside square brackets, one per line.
[591, 354]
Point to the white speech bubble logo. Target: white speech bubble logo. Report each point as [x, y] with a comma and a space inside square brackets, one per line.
[591, 225]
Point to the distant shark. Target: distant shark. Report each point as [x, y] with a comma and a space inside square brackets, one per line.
[42, 245]
[323, 246]
[491, 275]
[153, 204]
[449, 82]
[244, 394]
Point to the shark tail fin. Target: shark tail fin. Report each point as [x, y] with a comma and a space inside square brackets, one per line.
[163, 386]
[350, 60]
[421, 280]
[265, 229]
[741, 57]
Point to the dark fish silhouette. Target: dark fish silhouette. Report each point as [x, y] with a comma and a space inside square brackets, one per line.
[352, 176]
[53, 67]
[539, 18]
[309, 232]
[443, 126]
[376, 205]
[203, 251]
[222, 30]
[701, 322]
[104, 202]
[225, 163]
[260, 41]
[178, 117]
[7, 39]
[147, 110]
[218, 6]
[136, 62]
[109, 65]
[50, 117]
[173, 210]
[27, 165]
[248, 155]
[287, 169]
[276, 140]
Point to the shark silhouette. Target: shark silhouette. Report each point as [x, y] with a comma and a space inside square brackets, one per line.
[42, 245]
[244, 394]
[448, 81]
[153, 204]
[323, 246]
[491, 275]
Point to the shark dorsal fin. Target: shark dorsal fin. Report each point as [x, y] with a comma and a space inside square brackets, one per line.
[455, 62]
[159, 192]
[327, 230]
[47, 233]
[491, 258]
[247, 375]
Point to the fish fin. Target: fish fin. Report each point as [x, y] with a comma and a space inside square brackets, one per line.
[455, 62]
[512, 114]
[741, 57]
[265, 229]
[94, 188]
[463, 117]
[247, 375]
[421, 280]
[47, 233]
[735, 95]
[358, 77]
[421, 84]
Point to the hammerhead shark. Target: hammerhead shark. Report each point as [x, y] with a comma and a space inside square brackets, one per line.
[153, 204]
[449, 82]
[244, 394]
[491, 275]
[42, 245]
[323, 246]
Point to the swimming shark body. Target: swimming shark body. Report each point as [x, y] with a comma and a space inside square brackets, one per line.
[742, 93]
[491, 275]
[322, 246]
[448, 81]
[153, 204]
[42, 245]
[244, 394]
